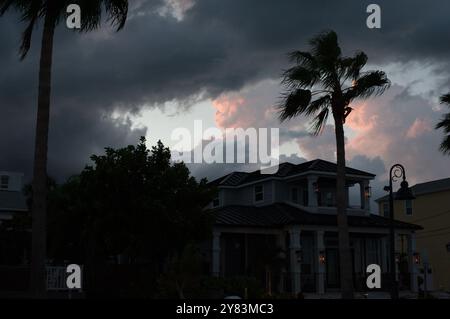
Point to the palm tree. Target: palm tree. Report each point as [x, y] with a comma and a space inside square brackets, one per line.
[445, 124]
[51, 12]
[323, 82]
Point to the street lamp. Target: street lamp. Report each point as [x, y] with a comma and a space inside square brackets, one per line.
[396, 172]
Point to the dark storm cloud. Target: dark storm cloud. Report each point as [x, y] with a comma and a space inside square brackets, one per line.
[219, 46]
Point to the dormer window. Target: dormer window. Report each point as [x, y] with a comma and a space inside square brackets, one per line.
[259, 193]
[4, 182]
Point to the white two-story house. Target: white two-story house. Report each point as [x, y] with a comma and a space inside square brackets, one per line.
[282, 228]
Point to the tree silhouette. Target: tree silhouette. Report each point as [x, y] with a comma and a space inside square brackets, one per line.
[323, 82]
[445, 125]
[51, 12]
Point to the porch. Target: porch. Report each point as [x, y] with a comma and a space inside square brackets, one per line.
[295, 257]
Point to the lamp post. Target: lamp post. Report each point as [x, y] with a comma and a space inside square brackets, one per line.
[396, 172]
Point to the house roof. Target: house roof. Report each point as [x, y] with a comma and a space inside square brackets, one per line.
[425, 188]
[12, 201]
[281, 214]
[285, 170]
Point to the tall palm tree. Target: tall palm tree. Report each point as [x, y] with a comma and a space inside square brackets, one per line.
[51, 12]
[445, 125]
[323, 82]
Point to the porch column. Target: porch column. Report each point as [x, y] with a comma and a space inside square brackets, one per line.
[216, 253]
[294, 255]
[312, 195]
[320, 268]
[365, 201]
[397, 252]
[413, 267]
[281, 243]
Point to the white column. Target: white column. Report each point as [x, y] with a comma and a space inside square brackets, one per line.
[413, 267]
[320, 268]
[216, 254]
[294, 250]
[281, 243]
[312, 195]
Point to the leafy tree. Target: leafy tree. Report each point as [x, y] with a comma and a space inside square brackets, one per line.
[322, 82]
[132, 202]
[51, 12]
[445, 125]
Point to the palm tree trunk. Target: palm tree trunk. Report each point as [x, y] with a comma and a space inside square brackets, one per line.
[39, 205]
[345, 259]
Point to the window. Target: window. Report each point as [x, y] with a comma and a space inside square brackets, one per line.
[386, 209]
[259, 193]
[294, 194]
[4, 182]
[408, 207]
[216, 201]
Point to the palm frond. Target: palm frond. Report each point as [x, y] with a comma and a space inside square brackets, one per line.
[304, 59]
[294, 103]
[444, 123]
[368, 84]
[117, 11]
[350, 68]
[319, 121]
[445, 145]
[299, 76]
[445, 99]
[318, 104]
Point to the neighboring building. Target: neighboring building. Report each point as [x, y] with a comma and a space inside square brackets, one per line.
[282, 228]
[431, 210]
[12, 202]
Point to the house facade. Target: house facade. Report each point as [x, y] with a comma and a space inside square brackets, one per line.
[282, 229]
[12, 202]
[431, 210]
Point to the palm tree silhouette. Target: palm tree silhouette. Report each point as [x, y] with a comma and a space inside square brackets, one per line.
[323, 82]
[445, 124]
[51, 12]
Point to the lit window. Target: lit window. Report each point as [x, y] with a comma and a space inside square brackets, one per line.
[294, 194]
[4, 182]
[259, 193]
[408, 207]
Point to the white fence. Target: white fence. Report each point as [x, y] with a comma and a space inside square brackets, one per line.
[57, 277]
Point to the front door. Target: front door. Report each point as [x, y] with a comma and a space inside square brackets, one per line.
[332, 266]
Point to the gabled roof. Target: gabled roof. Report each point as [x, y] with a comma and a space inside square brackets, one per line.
[12, 201]
[425, 188]
[285, 170]
[281, 214]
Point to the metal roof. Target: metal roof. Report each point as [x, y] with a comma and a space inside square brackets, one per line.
[285, 170]
[426, 188]
[281, 214]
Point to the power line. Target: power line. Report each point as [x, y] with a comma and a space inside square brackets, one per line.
[430, 217]
[433, 235]
[434, 230]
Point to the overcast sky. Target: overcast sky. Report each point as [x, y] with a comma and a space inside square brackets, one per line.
[219, 61]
